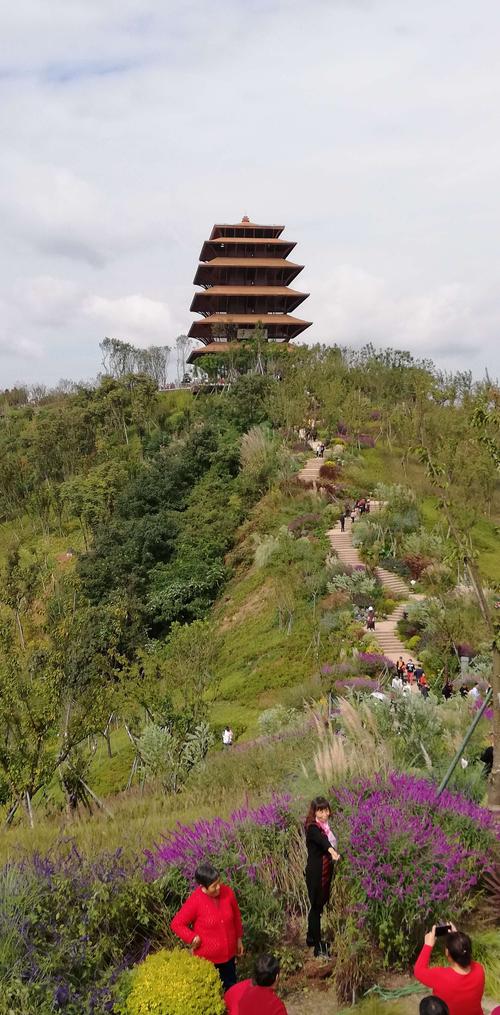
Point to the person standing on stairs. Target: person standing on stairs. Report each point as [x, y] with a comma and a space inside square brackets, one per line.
[342, 521]
[370, 619]
[321, 856]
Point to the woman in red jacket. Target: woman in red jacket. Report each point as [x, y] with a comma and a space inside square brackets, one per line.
[460, 984]
[210, 923]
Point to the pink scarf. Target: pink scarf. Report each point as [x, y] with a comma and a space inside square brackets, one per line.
[325, 827]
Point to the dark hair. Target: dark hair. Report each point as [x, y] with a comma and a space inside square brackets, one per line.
[205, 874]
[265, 970]
[459, 948]
[317, 804]
[433, 1006]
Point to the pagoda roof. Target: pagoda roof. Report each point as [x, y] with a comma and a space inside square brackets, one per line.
[202, 300]
[210, 247]
[204, 270]
[245, 224]
[293, 325]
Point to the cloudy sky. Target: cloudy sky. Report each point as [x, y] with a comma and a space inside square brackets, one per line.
[369, 127]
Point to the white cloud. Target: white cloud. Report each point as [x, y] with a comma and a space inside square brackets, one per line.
[368, 127]
[137, 317]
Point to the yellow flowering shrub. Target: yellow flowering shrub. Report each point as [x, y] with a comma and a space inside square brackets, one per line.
[174, 983]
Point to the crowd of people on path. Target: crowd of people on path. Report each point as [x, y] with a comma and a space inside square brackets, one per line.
[210, 923]
[410, 678]
[360, 507]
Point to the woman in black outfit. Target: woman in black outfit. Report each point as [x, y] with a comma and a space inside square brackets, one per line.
[321, 856]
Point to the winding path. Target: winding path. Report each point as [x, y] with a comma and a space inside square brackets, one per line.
[341, 542]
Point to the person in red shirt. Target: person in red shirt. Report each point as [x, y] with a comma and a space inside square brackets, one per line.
[460, 984]
[257, 995]
[210, 923]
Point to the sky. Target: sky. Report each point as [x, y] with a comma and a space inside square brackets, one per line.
[128, 127]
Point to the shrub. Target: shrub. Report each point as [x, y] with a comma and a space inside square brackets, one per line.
[329, 470]
[374, 662]
[415, 857]
[278, 718]
[304, 524]
[172, 983]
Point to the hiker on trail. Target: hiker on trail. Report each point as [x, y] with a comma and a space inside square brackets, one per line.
[320, 450]
[397, 682]
[460, 984]
[210, 923]
[361, 505]
[370, 619]
[321, 856]
[342, 521]
[447, 690]
[423, 685]
[257, 994]
[401, 668]
[227, 736]
[367, 507]
[410, 670]
[353, 514]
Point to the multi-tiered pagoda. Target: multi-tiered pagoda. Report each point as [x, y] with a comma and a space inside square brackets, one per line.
[245, 277]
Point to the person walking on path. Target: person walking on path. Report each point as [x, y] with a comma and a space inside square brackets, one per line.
[321, 856]
[257, 994]
[227, 736]
[210, 923]
[370, 619]
[461, 984]
[342, 521]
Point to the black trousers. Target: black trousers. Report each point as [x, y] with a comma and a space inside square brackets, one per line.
[227, 973]
[314, 925]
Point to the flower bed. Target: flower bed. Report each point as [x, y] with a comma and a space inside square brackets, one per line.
[416, 858]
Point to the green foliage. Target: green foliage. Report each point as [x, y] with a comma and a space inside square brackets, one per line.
[169, 757]
[172, 983]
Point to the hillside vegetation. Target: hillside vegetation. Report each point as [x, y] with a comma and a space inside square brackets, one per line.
[165, 571]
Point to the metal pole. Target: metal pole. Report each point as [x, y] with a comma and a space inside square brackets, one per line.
[443, 784]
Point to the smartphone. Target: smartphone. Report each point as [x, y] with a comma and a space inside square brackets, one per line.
[444, 928]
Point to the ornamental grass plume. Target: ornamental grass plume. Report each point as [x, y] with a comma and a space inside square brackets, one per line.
[337, 758]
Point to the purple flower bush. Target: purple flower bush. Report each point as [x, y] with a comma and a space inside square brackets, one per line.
[188, 845]
[357, 684]
[417, 858]
[374, 662]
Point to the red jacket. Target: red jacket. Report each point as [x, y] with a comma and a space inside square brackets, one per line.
[233, 996]
[461, 992]
[261, 1001]
[217, 922]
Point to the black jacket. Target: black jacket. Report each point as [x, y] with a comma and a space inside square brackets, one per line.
[317, 847]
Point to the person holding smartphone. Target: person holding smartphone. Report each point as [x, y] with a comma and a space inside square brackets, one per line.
[460, 984]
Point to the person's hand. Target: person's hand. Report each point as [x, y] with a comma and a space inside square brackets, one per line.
[239, 948]
[195, 943]
[430, 937]
[334, 855]
[452, 925]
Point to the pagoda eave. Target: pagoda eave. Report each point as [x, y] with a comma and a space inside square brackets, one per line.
[209, 272]
[257, 298]
[280, 327]
[224, 244]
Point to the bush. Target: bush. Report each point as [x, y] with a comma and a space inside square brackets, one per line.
[416, 858]
[172, 983]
